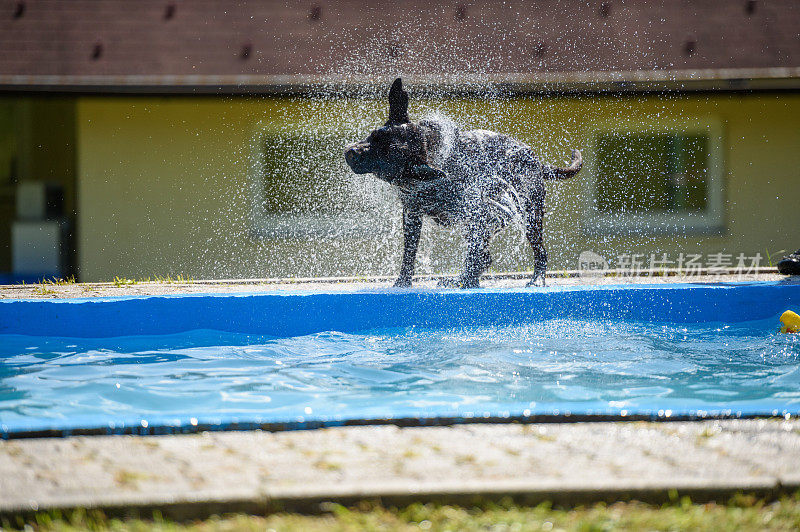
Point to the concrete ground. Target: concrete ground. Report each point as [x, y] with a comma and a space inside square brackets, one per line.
[218, 472]
[199, 474]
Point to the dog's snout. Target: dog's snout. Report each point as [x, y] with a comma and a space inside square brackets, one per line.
[354, 155]
[352, 149]
[356, 147]
[349, 154]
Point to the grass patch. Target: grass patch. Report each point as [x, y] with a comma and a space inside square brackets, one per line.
[741, 513]
[47, 286]
[43, 290]
[167, 279]
[158, 279]
[58, 281]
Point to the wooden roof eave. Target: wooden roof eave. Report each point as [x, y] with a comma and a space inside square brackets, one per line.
[510, 84]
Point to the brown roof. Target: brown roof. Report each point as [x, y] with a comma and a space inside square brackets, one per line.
[148, 41]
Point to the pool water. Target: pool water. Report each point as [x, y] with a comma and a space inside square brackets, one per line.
[550, 367]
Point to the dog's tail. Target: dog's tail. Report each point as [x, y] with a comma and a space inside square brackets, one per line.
[556, 173]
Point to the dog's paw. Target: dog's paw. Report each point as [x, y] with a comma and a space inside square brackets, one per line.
[459, 282]
[448, 282]
[473, 282]
[538, 280]
[402, 282]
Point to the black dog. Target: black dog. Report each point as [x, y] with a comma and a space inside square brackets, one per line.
[478, 180]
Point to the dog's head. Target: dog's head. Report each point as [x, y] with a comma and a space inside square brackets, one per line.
[399, 149]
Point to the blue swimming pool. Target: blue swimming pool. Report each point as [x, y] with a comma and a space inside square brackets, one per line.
[623, 351]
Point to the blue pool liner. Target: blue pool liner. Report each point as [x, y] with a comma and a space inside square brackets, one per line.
[296, 313]
[161, 424]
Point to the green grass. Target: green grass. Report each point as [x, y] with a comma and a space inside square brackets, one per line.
[47, 286]
[168, 279]
[59, 281]
[159, 279]
[42, 290]
[741, 513]
[769, 256]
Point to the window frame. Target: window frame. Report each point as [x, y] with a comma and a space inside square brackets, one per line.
[274, 226]
[709, 221]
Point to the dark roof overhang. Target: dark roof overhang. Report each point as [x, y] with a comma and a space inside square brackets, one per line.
[500, 85]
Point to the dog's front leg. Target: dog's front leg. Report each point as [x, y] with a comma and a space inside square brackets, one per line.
[476, 262]
[412, 227]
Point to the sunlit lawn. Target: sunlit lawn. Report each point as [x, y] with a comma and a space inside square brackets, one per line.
[742, 513]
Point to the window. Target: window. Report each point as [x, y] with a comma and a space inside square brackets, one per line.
[661, 178]
[302, 187]
[9, 156]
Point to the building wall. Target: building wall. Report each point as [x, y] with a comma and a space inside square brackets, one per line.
[165, 184]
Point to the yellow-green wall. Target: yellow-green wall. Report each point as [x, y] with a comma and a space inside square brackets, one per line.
[164, 183]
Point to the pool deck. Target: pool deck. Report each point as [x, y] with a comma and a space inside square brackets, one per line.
[499, 280]
[194, 475]
[187, 476]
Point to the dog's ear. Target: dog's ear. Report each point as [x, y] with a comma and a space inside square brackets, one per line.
[398, 104]
[427, 172]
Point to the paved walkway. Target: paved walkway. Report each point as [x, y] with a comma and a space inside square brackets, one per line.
[199, 474]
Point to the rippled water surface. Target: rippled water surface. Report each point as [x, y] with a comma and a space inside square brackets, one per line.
[547, 367]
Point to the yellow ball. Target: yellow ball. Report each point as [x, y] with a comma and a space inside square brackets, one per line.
[790, 322]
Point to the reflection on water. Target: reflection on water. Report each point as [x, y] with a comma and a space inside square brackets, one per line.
[559, 365]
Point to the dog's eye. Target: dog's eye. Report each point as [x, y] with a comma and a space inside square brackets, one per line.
[398, 149]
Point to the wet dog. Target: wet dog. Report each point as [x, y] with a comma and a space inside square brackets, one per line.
[478, 180]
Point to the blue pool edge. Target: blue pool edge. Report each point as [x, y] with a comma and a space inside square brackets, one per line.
[157, 426]
[296, 313]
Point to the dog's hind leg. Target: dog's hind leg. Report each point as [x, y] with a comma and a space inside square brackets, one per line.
[412, 227]
[534, 223]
